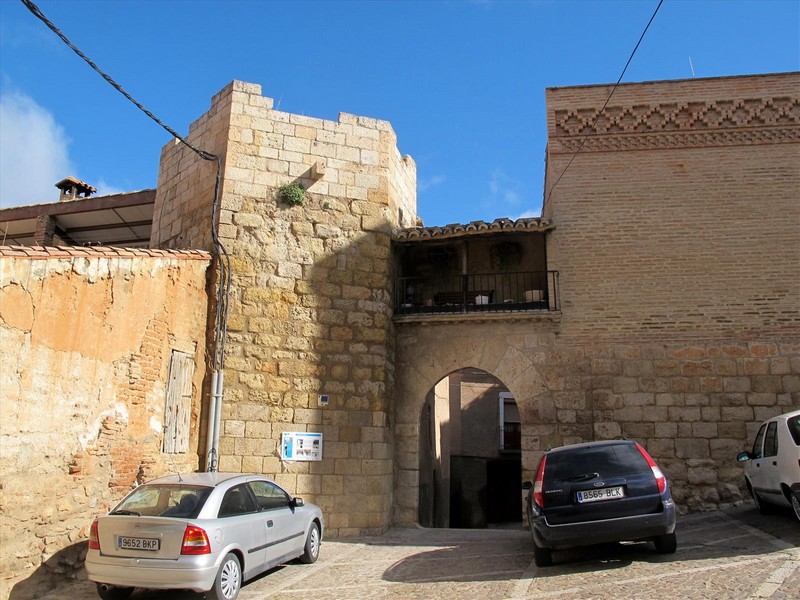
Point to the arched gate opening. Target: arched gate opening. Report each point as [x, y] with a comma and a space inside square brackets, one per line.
[470, 453]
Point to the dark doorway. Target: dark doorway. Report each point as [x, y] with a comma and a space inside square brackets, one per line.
[503, 483]
[470, 472]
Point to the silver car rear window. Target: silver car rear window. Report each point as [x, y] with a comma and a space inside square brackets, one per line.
[164, 500]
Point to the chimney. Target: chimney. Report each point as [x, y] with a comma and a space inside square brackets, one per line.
[74, 189]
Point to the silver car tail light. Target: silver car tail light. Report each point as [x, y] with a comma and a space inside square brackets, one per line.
[195, 541]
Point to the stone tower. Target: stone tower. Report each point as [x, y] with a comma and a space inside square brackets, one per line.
[311, 303]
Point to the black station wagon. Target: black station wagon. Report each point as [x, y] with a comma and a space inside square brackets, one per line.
[599, 492]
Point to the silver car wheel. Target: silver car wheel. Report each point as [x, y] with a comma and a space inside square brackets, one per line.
[230, 578]
[313, 542]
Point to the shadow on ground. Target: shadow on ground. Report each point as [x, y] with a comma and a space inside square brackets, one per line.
[701, 536]
[64, 565]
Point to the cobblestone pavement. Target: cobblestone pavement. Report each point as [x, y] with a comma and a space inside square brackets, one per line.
[733, 554]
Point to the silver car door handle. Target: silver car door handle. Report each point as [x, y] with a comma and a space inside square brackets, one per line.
[269, 523]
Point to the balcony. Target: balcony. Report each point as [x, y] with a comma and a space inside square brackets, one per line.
[478, 293]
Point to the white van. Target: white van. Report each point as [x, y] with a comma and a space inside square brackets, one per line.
[772, 468]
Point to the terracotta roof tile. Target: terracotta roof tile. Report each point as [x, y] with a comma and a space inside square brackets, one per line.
[473, 228]
[44, 252]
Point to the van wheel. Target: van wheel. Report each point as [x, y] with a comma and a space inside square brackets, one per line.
[229, 579]
[543, 557]
[796, 505]
[765, 508]
[666, 544]
[111, 592]
[311, 553]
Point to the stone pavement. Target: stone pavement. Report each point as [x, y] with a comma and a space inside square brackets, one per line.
[732, 554]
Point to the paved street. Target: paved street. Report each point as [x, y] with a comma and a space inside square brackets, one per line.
[733, 554]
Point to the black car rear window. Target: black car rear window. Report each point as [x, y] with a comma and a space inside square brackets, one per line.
[616, 460]
[794, 428]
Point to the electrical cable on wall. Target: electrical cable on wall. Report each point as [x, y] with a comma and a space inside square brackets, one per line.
[599, 114]
[224, 285]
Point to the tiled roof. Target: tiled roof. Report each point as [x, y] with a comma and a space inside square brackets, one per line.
[43, 252]
[474, 228]
[81, 184]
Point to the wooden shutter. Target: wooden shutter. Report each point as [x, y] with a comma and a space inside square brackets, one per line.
[178, 406]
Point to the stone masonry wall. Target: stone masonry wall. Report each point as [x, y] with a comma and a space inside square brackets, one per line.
[311, 303]
[694, 406]
[86, 336]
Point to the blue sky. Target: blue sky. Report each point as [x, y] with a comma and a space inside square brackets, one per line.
[462, 82]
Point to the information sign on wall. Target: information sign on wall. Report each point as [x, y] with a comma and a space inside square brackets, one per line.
[300, 445]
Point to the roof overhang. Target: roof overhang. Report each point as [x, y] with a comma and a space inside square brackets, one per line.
[475, 228]
[114, 220]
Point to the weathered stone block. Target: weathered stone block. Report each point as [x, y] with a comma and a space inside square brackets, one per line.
[692, 448]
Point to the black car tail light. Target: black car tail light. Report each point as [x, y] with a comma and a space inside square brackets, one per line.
[660, 479]
[538, 485]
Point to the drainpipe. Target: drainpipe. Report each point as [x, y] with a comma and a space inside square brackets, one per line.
[214, 418]
[219, 383]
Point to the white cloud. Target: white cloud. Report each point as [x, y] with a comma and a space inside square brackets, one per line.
[426, 184]
[33, 152]
[106, 189]
[528, 214]
[503, 190]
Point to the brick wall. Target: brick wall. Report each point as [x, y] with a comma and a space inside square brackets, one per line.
[680, 216]
[86, 337]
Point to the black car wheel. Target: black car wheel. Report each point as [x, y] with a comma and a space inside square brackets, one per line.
[543, 557]
[765, 508]
[110, 592]
[796, 505]
[666, 544]
[229, 579]
[311, 553]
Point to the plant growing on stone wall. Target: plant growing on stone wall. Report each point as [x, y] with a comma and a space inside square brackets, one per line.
[292, 194]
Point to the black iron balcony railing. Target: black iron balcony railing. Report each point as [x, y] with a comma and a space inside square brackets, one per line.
[485, 292]
[512, 436]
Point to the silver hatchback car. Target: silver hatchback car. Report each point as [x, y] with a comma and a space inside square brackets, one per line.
[206, 532]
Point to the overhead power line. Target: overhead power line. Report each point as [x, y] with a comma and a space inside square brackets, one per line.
[599, 114]
[40, 15]
[223, 289]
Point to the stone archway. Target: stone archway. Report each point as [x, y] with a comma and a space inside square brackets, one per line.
[470, 453]
[426, 353]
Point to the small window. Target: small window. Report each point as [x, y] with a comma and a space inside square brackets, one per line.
[237, 501]
[178, 405]
[758, 449]
[771, 440]
[793, 423]
[269, 496]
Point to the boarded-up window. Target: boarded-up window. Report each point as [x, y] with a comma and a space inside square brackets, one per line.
[178, 407]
